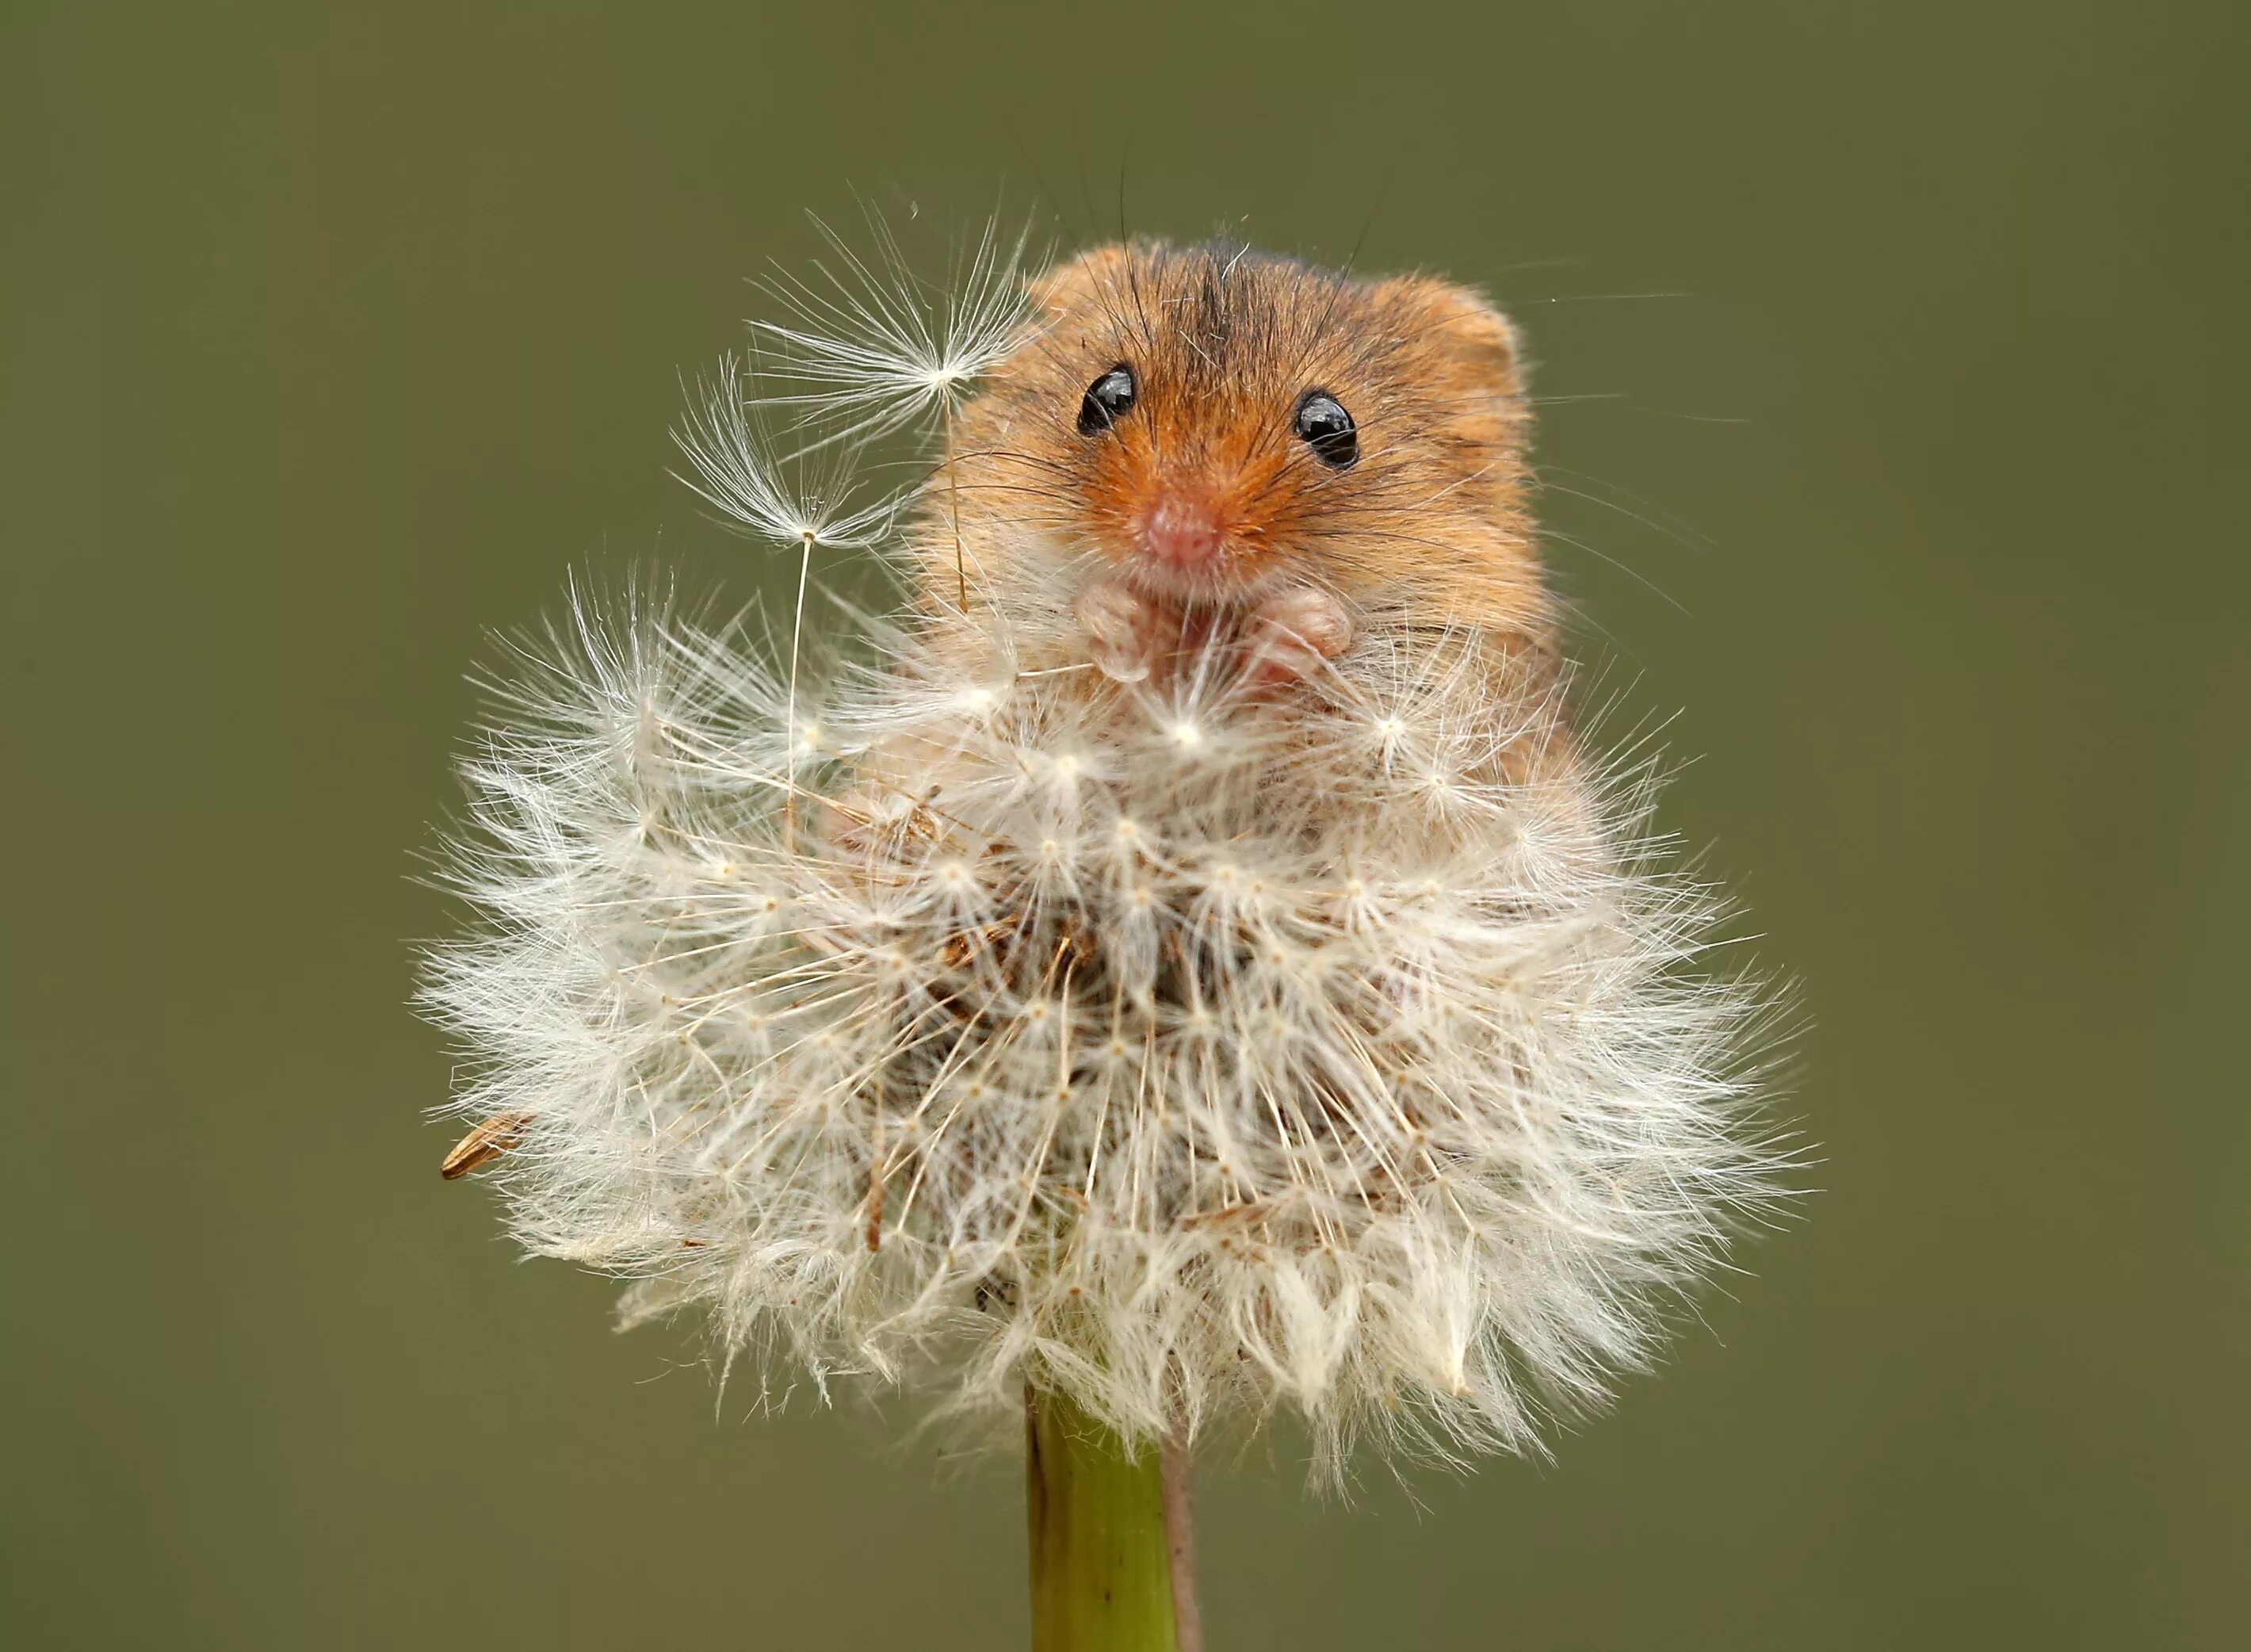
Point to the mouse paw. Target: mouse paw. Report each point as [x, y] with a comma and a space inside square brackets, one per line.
[1123, 631]
[1293, 632]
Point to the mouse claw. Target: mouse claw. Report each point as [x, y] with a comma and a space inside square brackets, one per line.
[1121, 630]
[1294, 632]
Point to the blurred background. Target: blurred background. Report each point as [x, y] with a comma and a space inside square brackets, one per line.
[1892, 365]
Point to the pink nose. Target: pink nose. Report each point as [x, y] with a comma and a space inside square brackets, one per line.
[1183, 532]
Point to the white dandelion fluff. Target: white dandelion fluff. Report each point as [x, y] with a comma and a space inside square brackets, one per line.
[869, 346]
[1194, 1076]
[1192, 1045]
[740, 470]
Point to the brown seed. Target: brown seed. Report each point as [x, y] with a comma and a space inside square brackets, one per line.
[875, 1188]
[485, 1144]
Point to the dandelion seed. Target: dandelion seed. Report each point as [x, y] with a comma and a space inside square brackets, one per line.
[740, 475]
[740, 472]
[872, 346]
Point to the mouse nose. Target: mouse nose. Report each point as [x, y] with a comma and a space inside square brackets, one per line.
[1182, 530]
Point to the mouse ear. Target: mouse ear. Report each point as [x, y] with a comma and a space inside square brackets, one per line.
[1458, 324]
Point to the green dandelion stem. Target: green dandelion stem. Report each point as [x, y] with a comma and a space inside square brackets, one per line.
[1109, 1532]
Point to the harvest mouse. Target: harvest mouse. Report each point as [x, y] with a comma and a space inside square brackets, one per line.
[1210, 444]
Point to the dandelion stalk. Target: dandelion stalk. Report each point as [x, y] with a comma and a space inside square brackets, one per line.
[1106, 1523]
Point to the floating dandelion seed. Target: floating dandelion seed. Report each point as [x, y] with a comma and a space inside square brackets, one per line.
[869, 346]
[742, 473]
[738, 471]
[1174, 1037]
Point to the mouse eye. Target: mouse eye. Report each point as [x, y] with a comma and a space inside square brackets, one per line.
[1107, 399]
[1327, 430]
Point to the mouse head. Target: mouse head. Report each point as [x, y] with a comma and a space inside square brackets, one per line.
[1210, 423]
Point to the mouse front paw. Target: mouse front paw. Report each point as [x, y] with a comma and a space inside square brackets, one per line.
[1124, 630]
[1294, 632]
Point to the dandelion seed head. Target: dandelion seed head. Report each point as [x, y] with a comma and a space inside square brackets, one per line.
[1419, 1150]
[924, 1006]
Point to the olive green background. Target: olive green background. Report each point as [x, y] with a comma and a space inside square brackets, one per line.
[1894, 361]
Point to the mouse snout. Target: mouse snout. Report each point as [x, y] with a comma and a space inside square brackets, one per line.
[1182, 529]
